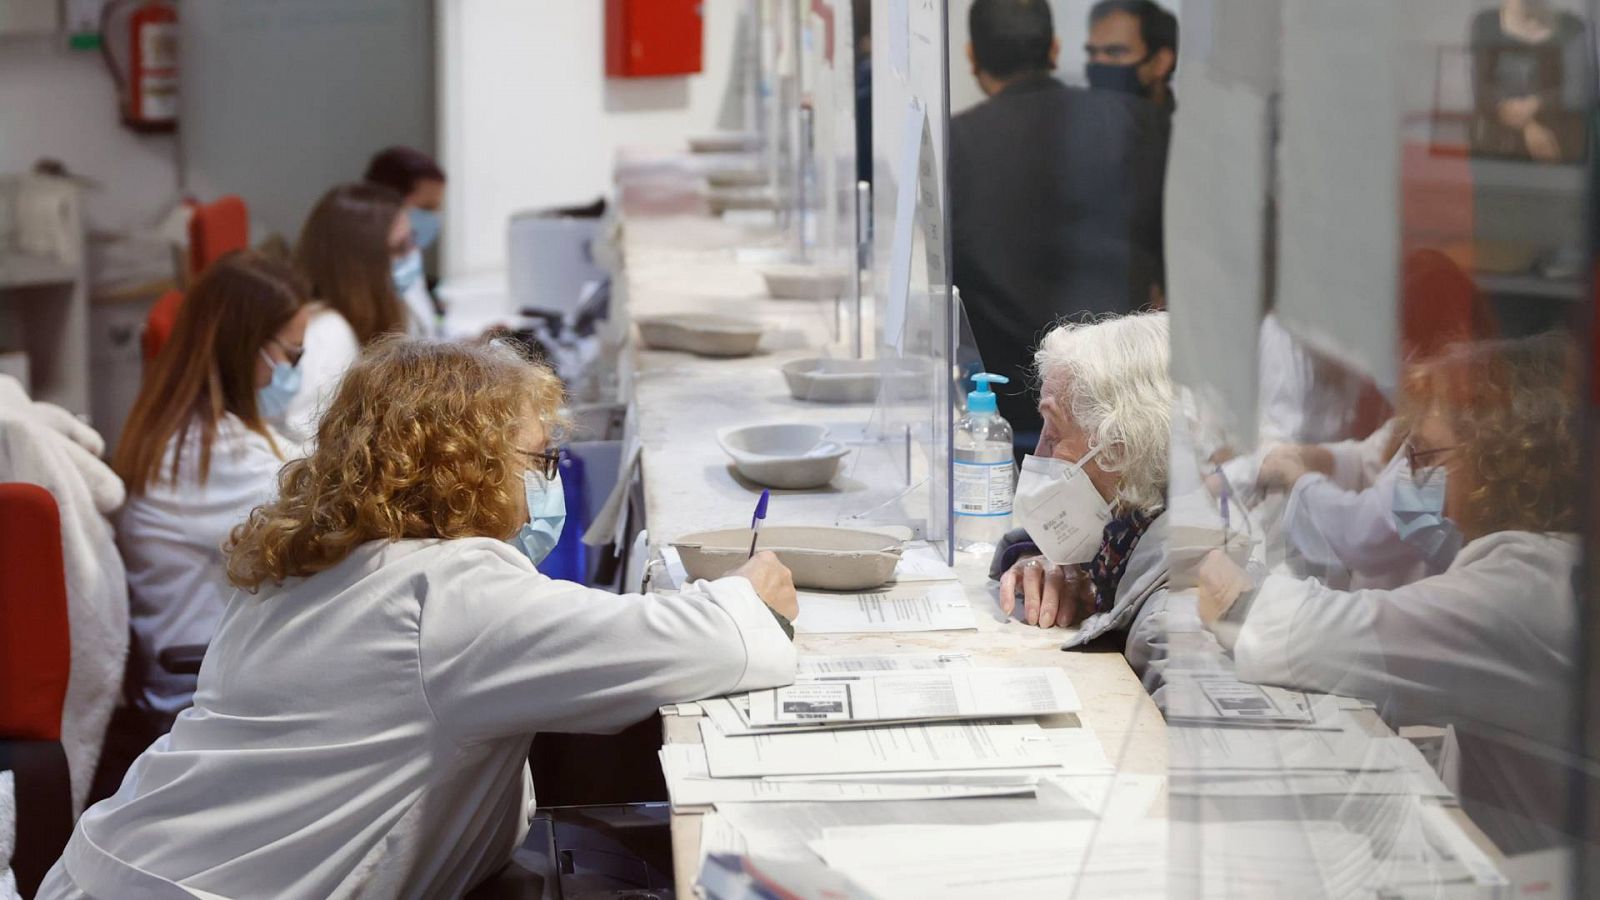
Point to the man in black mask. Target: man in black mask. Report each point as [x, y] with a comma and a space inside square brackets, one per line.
[1055, 198]
[1133, 48]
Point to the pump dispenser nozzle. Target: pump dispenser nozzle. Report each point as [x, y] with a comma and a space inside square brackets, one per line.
[981, 402]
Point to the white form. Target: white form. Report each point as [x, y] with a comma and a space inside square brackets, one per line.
[933, 606]
[896, 748]
[923, 564]
[1077, 754]
[1413, 777]
[781, 830]
[810, 664]
[689, 783]
[986, 693]
[930, 862]
[1219, 698]
[1272, 750]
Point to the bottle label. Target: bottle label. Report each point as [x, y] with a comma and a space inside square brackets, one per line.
[984, 489]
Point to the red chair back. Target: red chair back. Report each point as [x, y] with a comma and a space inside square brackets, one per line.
[159, 324]
[35, 643]
[217, 229]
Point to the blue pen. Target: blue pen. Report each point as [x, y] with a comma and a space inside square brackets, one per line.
[757, 519]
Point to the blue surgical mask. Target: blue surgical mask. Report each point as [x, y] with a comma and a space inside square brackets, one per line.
[1419, 516]
[272, 401]
[424, 226]
[407, 271]
[547, 515]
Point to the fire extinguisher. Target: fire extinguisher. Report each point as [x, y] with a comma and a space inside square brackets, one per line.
[139, 39]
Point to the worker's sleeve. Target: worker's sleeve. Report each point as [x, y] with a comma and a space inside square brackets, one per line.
[505, 650]
[1331, 526]
[1433, 648]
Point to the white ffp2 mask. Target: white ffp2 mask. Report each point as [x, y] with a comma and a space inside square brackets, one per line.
[1061, 510]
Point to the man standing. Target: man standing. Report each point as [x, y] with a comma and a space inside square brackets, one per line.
[1133, 48]
[1055, 198]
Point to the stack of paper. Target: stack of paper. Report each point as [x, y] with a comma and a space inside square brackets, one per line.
[928, 726]
[872, 697]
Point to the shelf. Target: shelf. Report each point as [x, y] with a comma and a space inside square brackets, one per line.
[22, 270]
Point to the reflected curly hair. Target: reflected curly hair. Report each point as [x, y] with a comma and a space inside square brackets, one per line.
[1513, 407]
[419, 442]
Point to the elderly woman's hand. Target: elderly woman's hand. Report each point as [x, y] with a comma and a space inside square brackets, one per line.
[1221, 583]
[1053, 596]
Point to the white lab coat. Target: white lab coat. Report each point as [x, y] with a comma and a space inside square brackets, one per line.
[1304, 399]
[171, 539]
[1488, 646]
[331, 348]
[365, 731]
[421, 318]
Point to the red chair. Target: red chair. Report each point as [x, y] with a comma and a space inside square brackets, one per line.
[35, 664]
[215, 230]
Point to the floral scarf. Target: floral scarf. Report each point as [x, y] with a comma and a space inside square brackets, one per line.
[1122, 534]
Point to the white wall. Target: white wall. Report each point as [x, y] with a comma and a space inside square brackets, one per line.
[1072, 28]
[282, 99]
[62, 104]
[529, 120]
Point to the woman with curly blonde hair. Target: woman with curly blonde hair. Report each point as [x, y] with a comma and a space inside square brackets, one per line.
[1489, 645]
[364, 713]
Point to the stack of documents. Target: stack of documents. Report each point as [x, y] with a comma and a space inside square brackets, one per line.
[1231, 738]
[929, 726]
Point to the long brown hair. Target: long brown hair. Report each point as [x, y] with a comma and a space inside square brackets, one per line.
[419, 442]
[344, 251]
[208, 367]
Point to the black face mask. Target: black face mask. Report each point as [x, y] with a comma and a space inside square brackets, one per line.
[1107, 77]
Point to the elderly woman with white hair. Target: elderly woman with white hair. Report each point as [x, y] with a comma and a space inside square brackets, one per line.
[1091, 498]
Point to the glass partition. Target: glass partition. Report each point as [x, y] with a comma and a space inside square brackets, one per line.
[1369, 648]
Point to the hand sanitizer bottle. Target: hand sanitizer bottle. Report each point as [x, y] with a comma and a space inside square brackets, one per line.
[985, 470]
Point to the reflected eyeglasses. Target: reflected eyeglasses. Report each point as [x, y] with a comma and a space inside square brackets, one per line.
[1420, 461]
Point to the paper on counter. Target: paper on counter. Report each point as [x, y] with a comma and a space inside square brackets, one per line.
[923, 564]
[910, 607]
[811, 664]
[1250, 749]
[781, 830]
[1112, 797]
[897, 748]
[902, 696]
[1411, 776]
[1077, 753]
[1077, 858]
[1219, 698]
[689, 783]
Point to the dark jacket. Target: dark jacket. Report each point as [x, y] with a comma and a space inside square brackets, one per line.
[1055, 203]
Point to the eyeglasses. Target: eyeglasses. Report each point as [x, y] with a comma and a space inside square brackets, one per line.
[1420, 461]
[292, 355]
[546, 462]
